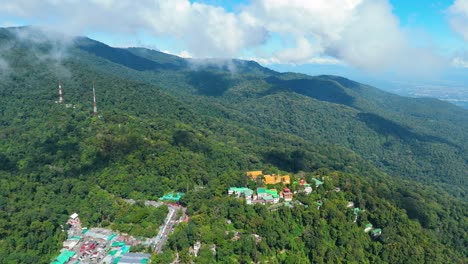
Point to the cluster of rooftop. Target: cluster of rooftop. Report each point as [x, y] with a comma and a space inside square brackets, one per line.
[97, 245]
[375, 232]
[262, 195]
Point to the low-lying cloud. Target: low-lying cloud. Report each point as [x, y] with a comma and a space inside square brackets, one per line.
[361, 33]
[47, 46]
[4, 67]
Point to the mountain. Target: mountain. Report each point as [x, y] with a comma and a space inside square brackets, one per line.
[172, 124]
[422, 139]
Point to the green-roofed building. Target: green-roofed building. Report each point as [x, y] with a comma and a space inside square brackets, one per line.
[368, 227]
[248, 192]
[116, 260]
[376, 232]
[357, 211]
[172, 197]
[261, 192]
[125, 249]
[317, 182]
[118, 244]
[240, 190]
[64, 257]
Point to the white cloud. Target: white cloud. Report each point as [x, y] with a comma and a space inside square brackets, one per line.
[312, 60]
[459, 17]
[183, 54]
[362, 33]
[460, 63]
[460, 59]
[208, 31]
[10, 24]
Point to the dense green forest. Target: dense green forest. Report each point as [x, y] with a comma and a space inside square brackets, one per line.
[169, 124]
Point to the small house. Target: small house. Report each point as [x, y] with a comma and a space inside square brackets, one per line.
[375, 233]
[368, 227]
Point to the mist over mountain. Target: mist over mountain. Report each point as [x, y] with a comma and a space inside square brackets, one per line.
[196, 126]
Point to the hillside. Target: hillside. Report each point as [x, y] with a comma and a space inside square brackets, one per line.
[422, 139]
[169, 124]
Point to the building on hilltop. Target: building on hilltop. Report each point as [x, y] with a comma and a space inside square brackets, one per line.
[317, 182]
[302, 182]
[175, 197]
[268, 196]
[368, 227]
[275, 179]
[287, 194]
[239, 191]
[261, 192]
[254, 174]
[375, 233]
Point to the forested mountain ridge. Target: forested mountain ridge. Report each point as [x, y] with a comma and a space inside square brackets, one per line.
[178, 125]
[423, 139]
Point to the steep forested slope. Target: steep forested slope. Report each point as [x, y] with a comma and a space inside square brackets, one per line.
[422, 139]
[177, 125]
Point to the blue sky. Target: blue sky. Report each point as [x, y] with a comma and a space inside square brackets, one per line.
[360, 39]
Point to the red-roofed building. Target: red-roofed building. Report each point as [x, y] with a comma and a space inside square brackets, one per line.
[287, 194]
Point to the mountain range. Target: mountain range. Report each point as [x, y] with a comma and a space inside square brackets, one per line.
[196, 125]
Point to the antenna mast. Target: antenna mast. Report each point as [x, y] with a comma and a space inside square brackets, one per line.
[60, 93]
[94, 101]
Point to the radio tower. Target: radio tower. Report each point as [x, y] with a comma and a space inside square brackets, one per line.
[60, 93]
[94, 102]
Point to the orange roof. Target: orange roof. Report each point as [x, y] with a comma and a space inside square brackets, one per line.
[271, 179]
[254, 174]
[274, 179]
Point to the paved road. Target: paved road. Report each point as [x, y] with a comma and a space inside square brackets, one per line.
[167, 228]
[171, 220]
